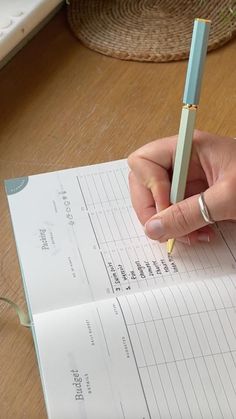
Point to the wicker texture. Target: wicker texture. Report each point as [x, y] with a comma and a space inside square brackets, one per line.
[148, 30]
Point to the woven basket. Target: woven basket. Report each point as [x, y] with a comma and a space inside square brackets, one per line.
[148, 30]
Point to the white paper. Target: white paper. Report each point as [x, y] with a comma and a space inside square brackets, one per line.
[121, 329]
[79, 240]
[163, 353]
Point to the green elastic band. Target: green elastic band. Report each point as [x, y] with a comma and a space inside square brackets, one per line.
[23, 317]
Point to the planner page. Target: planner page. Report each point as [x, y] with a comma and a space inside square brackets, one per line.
[168, 352]
[228, 232]
[79, 240]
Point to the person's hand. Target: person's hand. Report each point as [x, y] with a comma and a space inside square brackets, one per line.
[212, 170]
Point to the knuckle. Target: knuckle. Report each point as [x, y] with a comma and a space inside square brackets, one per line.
[180, 217]
[131, 180]
[130, 177]
[196, 133]
[132, 158]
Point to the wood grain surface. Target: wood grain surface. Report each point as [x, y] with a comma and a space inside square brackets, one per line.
[63, 105]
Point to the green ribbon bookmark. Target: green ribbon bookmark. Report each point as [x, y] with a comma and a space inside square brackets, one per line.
[23, 317]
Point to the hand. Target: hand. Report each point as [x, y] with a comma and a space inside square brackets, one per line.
[212, 170]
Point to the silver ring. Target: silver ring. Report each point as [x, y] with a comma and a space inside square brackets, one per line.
[204, 210]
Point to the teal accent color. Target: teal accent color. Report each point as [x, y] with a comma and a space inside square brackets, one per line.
[182, 156]
[13, 186]
[196, 62]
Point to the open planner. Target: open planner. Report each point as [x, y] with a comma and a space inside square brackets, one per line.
[122, 330]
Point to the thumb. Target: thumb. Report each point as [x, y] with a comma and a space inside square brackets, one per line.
[185, 217]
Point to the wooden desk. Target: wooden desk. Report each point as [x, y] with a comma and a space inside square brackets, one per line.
[63, 105]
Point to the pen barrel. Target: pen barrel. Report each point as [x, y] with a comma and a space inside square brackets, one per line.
[182, 155]
[197, 56]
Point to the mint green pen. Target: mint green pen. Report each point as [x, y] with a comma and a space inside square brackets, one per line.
[191, 97]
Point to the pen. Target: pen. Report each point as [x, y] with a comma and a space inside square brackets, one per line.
[191, 96]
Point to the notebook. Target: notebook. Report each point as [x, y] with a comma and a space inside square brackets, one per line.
[121, 329]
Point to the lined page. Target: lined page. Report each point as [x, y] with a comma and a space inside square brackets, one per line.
[228, 232]
[184, 340]
[163, 353]
[78, 240]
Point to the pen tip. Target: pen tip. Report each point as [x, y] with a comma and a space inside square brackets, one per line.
[170, 245]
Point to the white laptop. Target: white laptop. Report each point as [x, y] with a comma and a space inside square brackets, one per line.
[20, 20]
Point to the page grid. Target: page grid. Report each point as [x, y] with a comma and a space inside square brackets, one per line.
[183, 353]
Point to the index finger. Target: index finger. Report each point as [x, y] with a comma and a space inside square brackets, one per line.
[142, 199]
[149, 182]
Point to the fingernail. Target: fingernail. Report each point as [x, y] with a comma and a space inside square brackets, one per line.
[184, 239]
[203, 237]
[154, 228]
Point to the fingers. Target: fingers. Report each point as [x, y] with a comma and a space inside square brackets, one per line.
[185, 217]
[159, 152]
[204, 234]
[176, 221]
[153, 192]
[149, 179]
[142, 199]
[212, 163]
